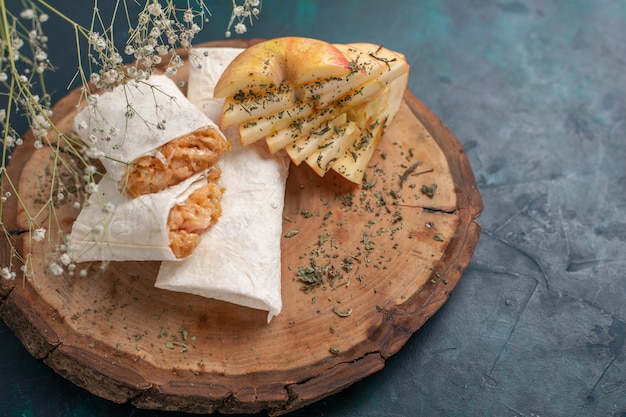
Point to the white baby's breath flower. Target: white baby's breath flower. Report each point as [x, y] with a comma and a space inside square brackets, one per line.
[240, 28]
[91, 187]
[94, 153]
[188, 16]
[3, 76]
[155, 9]
[39, 234]
[98, 43]
[155, 32]
[27, 14]
[56, 269]
[7, 274]
[90, 170]
[108, 207]
[162, 49]
[65, 259]
[239, 11]
[254, 3]
[92, 99]
[43, 18]
[41, 55]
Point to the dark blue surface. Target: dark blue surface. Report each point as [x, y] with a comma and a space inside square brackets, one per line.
[536, 93]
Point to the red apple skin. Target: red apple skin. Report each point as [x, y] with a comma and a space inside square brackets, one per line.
[287, 60]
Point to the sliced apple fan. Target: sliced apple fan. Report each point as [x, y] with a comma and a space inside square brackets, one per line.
[334, 122]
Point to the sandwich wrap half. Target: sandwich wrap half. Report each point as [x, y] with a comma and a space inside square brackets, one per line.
[238, 259]
[148, 135]
[159, 226]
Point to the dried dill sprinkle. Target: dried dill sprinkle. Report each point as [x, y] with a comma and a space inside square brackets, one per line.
[310, 274]
[291, 233]
[438, 237]
[429, 190]
[306, 213]
[369, 185]
[405, 175]
[334, 351]
[342, 313]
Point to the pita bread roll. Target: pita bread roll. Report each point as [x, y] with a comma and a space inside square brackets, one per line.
[206, 67]
[239, 259]
[149, 136]
[157, 226]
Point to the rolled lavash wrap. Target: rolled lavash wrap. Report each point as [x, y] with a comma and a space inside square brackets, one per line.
[149, 136]
[206, 67]
[160, 189]
[238, 260]
[156, 226]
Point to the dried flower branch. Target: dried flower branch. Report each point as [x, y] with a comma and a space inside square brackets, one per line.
[156, 33]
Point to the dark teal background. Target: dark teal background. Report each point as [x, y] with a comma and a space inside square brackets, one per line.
[536, 92]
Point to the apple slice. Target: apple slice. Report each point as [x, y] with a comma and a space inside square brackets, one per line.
[322, 159]
[299, 128]
[372, 117]
[243, 107]
[255, 129]
[300, 149]
[353, 162]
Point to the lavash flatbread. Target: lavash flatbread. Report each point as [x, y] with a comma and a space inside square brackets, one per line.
[114, 227]
[239, 258]
[136, 118]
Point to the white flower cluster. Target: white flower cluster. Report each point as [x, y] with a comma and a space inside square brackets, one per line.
[62, 261]
[159, 32]
[30, 33]
[241, 13]
[23, 57]
[162, 27]
[7, 274]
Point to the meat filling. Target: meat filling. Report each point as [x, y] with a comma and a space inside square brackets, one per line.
[174, 162]
[187, 221]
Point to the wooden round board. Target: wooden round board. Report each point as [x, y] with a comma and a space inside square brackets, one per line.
[390, 251]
